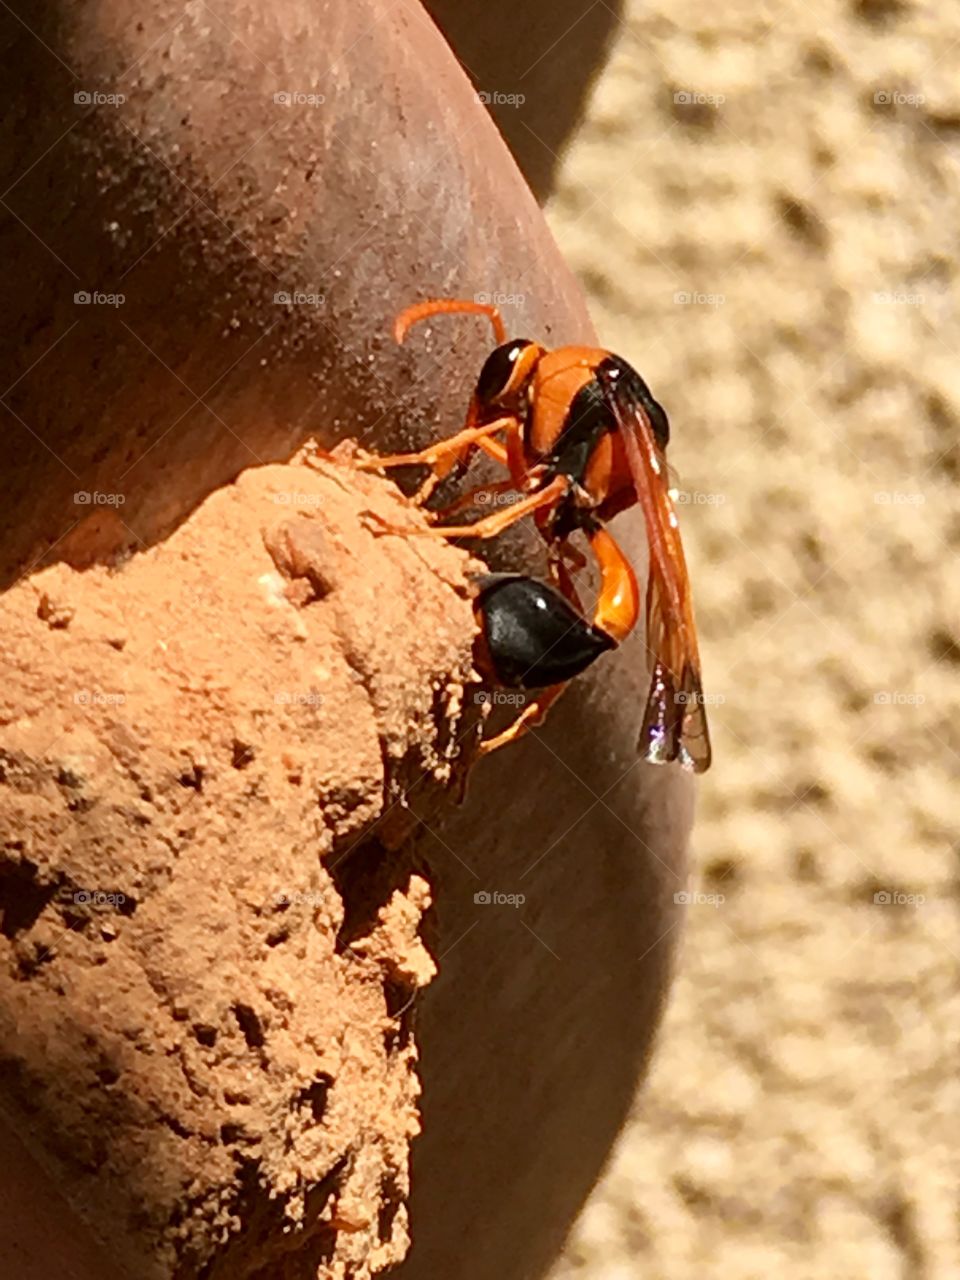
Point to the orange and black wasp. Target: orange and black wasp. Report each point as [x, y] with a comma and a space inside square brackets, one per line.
[582, 439]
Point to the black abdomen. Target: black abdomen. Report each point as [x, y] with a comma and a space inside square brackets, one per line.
[534, 636]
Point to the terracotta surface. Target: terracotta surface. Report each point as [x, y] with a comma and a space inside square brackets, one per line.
[41, 1234]
[534, 72]
[200, 198]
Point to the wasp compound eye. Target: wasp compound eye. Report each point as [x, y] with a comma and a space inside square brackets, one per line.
[532, 636]
[505, 371]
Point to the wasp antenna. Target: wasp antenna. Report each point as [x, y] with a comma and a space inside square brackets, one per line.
[448, 306]
[400, 327]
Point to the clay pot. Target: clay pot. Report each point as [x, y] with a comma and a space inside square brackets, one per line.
[265, 185]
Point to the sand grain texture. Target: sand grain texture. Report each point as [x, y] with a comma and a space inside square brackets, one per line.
[207, 968]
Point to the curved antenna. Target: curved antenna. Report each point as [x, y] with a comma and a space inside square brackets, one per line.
[448, 306]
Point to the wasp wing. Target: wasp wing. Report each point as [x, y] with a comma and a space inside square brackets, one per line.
[674, 721]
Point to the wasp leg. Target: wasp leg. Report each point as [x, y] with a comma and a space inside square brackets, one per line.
[562, 576]
[446, 306]
[533, 714]
[460, 461]
[561, 557]
[475, 497]
[490, 526]
[438, 475]
[445, 456]
[441, 450]
[492, 448]
[572, 557]
[618, 605]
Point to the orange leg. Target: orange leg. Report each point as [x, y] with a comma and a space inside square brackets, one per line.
[618, 605]
[446, 306]
[475, 498]
[532, 715]
[445, 455]
[493, 448]
[443, 451]
[492, 525]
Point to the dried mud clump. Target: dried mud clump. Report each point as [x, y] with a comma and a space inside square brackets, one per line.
[209, 928]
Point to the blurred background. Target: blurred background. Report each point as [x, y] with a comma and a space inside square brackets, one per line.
[762, 204]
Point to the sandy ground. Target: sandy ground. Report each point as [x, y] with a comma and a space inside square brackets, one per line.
[762, 201]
